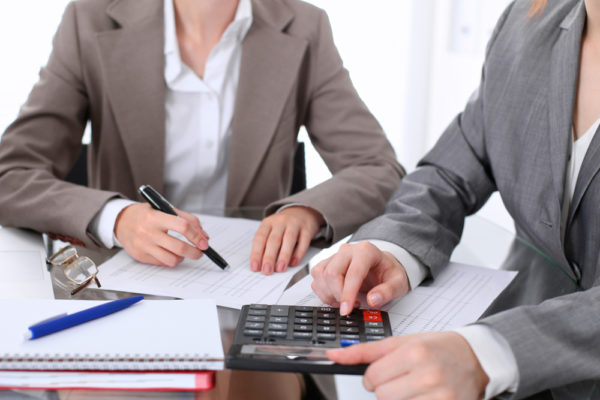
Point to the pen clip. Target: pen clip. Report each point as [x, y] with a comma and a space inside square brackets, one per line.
[49, 319]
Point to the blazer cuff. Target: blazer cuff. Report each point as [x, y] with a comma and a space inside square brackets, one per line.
[102, 226]
[495, 356]
[416, 271]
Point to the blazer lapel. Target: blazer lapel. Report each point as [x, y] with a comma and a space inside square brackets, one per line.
[270, 63]
[589, 168]
[563, 84]
[133, 64]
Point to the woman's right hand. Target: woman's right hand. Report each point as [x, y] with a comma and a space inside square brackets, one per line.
[359, 267]
[143, 233]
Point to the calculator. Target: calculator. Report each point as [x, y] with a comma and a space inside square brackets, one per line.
[296, 338]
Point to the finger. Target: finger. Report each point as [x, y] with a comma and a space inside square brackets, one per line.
[179, 247]
[184, 227]
[287, 247]
[164, 257]
[193, 220]
[301, 247]
[387, 291]
[323, 294]
[407, 387]
[272, 249]
[364, 258]
[319, 284]
[386, 368]
[333, 274]
[258, 246]
[364, 353]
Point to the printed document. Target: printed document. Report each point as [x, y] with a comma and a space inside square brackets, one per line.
[232, 239]
[457, 297]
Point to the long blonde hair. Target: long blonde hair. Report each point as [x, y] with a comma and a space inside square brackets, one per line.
[537, 7]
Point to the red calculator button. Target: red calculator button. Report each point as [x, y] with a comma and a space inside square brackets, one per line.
[372, 316]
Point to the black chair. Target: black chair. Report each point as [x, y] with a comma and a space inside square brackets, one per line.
[78, 173]
[299, 173]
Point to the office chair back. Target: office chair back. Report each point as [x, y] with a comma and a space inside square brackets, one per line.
[78, 173]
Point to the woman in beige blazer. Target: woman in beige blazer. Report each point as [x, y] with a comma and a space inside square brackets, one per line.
[107, 67]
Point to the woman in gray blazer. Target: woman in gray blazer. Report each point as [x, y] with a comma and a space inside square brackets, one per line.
[530, 132]
[203, 101]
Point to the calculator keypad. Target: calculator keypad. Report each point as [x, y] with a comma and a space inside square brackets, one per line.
[315, 325]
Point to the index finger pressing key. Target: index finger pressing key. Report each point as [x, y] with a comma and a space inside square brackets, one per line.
[359, 267]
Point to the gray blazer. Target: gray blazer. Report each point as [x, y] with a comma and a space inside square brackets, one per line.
[107, 66]
[514, 137]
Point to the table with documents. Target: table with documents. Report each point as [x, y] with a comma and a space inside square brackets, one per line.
[484, 263]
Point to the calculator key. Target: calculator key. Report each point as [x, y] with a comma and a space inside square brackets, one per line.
[303, 314]
[304, 308]
[348, 318]
[348, 329]
[348, 342]
[348, 323]
[303, 328]
[325, 328]
[279, 320]
[372, 338]
[277, 327]
[374, 324]
[374, 331]
[326, 321]
[326, 309]
[279, 334]
[302, 335]
[255, 318]
[258, 306]
[303, 321]
[253, 332]
[254, 325]
[279, 311]
[326, 315]
[257, 312]
[349, 336]
[326, 336]
[372, 316]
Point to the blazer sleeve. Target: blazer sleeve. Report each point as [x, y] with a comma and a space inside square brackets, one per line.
[349, 140]
[39, 148]
[425, 216]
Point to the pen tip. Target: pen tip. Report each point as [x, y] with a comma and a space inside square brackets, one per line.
[27, 335]
[227, 268]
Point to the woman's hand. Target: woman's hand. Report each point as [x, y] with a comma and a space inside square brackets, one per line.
[283, 238]
[142, 232]
[436, 365]
[359, 267]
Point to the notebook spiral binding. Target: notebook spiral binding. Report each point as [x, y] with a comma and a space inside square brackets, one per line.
[134, 362]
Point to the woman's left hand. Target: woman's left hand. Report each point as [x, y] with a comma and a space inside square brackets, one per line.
[432, 365]
[283, 238]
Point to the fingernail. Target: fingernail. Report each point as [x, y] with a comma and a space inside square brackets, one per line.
[345, 308]
[267, 269]
[280, 266]
[375, 300]
[294, 262]
[203, 244]
[254, 266]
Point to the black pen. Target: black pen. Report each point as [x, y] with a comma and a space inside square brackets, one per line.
[158, 202]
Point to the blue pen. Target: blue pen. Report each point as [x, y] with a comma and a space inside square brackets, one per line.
[63, 321]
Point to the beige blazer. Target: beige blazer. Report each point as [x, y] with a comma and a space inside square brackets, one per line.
[107, 67]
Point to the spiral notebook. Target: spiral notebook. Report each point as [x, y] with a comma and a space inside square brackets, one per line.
[152, 335]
